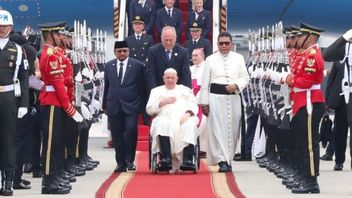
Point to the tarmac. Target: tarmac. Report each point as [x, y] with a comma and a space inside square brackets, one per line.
[254, 182]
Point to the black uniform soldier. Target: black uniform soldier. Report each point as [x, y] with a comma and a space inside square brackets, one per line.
[196, 41]
[139, 43]
[13, 83]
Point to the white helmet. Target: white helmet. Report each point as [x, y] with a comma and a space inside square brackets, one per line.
[5, 18]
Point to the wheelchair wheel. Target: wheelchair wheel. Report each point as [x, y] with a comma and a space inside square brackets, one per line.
[198, 152]
[154, 163]
[150, 152]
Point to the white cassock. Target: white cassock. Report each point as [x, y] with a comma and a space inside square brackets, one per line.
[197, 76]
[167, 118]
[225, 110]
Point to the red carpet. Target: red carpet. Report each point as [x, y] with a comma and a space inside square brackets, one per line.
[207, 183]
[185, 184]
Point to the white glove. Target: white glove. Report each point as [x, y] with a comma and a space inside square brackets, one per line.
[275, 76]
[22, 111]
[77, 117]
[96, 104]
[78, 77]
[99, 75]
[87, 73]
[284, 76]
[348, 35]
[85, 111]
[260, 73]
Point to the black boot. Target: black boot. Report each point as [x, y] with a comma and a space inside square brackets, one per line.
[165, 152]
[7, 190]
[187, 163]
[49, 186]
[309, 185]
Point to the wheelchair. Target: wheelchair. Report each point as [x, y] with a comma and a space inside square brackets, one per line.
[154, 164]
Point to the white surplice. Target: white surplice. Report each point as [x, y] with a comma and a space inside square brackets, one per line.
[225, 110]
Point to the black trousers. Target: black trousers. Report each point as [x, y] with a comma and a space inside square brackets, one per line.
[306, 130]
[252, 121]
[340, 132]
[52, 129]
[124, 136]
[35, 137]
[83, 141]
[72, 134]
[8, 117]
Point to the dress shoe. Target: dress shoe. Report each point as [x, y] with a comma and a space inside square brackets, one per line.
[131, 166]
[187, 165]
[120, 169]
[55, 189]
[37, 173]
[326, 157]
[305, 189]
[25, 182]
[223, 167]
[202, 154]
[166, 163]
[21, 186]
[338, 167]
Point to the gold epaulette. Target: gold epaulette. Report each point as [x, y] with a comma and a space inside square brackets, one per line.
[50, 51]
[312, 51]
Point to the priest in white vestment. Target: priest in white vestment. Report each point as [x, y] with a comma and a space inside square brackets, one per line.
[197, 71]
[174, 127]
[225, 76]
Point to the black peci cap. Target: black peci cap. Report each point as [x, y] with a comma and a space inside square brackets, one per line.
[120, 44]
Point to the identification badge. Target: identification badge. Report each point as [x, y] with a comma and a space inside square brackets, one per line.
[17, 88]
[25, 64]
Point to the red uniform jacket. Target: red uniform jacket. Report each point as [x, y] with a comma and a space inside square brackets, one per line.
[68, 73]
[307, 72]
[51, 68]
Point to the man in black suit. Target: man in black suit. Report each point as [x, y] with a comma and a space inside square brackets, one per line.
[169, 16]
[165, 55]
[197, 41]
[139, 44]
[146, 10]
[160, 3]
[336, 52]
[201, 17]
[124, 79]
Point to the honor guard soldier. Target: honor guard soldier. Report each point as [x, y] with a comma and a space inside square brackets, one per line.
[308, 108]
[196, 41]
[56, 105]
[13, 86]
[139, 42]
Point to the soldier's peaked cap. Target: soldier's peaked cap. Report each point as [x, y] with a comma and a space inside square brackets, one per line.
[138, 19]
[52, 27]
[195, 27]
[295, 30]
[309, 29]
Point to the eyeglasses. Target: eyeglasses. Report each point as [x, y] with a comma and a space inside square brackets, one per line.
[226, 43]
[121, 50]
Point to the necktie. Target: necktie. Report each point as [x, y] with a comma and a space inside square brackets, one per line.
[138, 37]
[168, 54]
[194, 42]
[120, 72]
[169, 12]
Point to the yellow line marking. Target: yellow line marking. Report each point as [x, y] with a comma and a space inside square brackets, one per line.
[219, 181]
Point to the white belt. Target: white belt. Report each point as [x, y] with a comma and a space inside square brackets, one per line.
[6, 88]
[314, 87]
[309, 106]
[49, 88]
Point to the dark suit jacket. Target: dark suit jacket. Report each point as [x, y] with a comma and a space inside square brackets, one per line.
[202, 43]
[333, 85]
[157, 63]
[125, 96]
[163, 19]
[159, 4]
[139, 48]
[335, 52]
[203, 21]
[147, 13]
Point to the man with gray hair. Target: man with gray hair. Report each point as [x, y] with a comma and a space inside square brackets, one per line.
[174, 127]
[165, 55]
